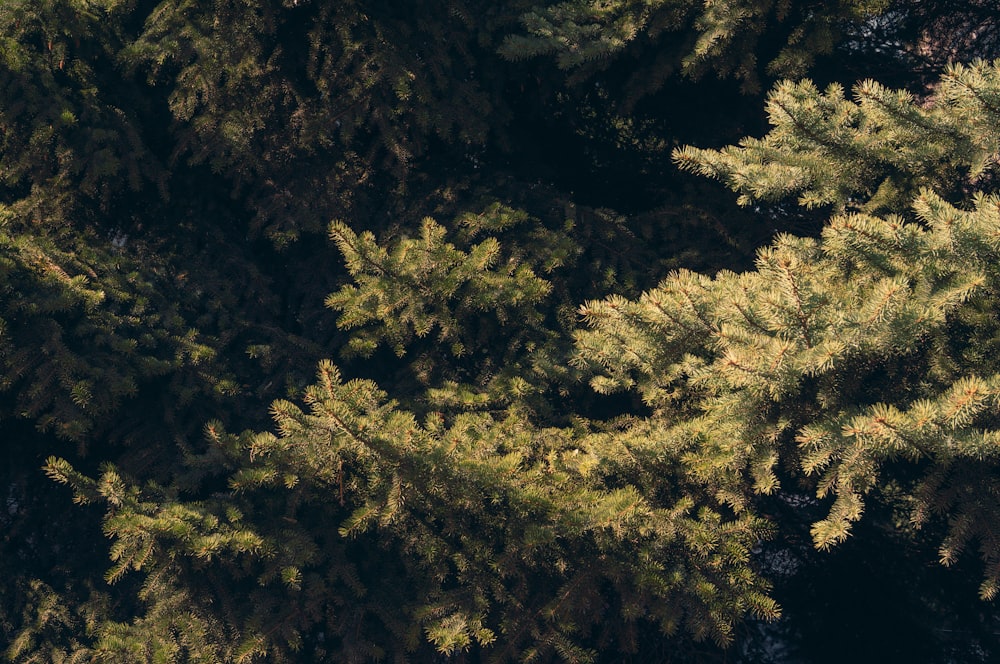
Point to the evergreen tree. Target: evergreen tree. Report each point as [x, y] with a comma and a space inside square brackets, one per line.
[873, 153]
[302, 106]
[693, 37]
[838, 356]
[460, 493]
[425, 283]
[477, 326]
[69, 134]
[482, 531]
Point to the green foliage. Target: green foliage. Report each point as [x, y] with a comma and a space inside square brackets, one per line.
[82, 328]
[300, 105]
[64, 140]
[836, 357]
[872, 153]
[471, 499]
[426, 283]
[54, 627]
[481, 532]
[477, 325]
[694, 37]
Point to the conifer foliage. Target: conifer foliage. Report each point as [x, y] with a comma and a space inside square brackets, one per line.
[426, 283]
[779, 366]
[299, 101]
[807, 361]
[719, 36]
[479, 531]
[82, 328]
[63, 136]
[873, 152]
[491, 471]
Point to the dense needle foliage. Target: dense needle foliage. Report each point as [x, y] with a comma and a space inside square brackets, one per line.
[321, 338]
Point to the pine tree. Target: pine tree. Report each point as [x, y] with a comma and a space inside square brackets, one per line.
[82, 329]
[302, 106]
[65, 139]
[101, 345]
[425, 284]
[693, 37]
[838, 356]
[873, 153]
[481, 532]
[475, 501]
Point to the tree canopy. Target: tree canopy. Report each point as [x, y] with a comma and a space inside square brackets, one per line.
[322, 339]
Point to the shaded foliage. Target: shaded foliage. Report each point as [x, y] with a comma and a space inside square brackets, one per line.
[493, 472]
